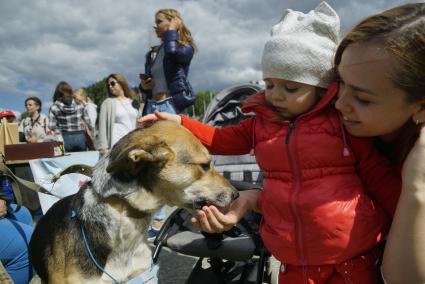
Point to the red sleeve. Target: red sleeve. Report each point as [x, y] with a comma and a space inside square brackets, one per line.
[230, 140]
[382, 181]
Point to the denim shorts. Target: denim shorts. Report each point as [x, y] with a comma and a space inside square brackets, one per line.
[166, 105]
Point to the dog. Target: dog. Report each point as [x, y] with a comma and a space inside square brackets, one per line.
[146, 169]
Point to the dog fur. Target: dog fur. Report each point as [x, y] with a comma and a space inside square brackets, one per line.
[146, 169]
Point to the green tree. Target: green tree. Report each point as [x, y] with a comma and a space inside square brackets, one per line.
[97, 91]
[201, 103]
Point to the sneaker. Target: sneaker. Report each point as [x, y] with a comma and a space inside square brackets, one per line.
[152, 233]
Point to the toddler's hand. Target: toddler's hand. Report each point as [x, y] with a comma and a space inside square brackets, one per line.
[148, 119]
[211, 220]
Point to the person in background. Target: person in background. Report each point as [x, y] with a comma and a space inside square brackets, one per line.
[8, 115]
[167, 65]
[118, 113]
[15, 234]
[90, 108]
[166, 71]
[34, 127]
[328, 197]
[68, 118]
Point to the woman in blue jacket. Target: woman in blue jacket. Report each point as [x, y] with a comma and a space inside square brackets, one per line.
[167, 65]
[165, 80]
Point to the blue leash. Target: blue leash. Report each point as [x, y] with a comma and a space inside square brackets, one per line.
[86, 244]
[73, 215]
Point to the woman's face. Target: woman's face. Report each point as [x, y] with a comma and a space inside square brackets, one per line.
[115, 87]
[161, 25]
[371, 105]
[31, 106]
[78, 97]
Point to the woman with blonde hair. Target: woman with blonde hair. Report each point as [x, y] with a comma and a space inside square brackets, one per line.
[90, 108]
[118, 113]
[165, 82]
[165, 79]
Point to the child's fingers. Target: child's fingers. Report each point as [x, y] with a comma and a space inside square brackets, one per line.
[204, 222]
[214, 225]
[146, 120]
[225, 221]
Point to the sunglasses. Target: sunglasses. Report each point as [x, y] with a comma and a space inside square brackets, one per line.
[112, 84]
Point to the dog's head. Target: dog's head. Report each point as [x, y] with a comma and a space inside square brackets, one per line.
[170, 166]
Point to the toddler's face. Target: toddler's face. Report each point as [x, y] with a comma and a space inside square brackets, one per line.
[289, 98]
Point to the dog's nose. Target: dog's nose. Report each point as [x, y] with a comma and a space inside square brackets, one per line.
[235, 195]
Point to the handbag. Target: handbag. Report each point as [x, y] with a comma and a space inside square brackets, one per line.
[90, 139]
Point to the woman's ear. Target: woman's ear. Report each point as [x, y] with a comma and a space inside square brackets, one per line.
[419, 116]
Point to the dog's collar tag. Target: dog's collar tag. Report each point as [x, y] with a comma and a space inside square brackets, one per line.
[73, 214]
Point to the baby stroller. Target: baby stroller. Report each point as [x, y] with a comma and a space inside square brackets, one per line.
[237, 256]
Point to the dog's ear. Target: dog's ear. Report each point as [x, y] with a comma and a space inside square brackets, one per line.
[127, 154]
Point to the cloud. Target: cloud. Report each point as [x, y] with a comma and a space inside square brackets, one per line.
[44, 42]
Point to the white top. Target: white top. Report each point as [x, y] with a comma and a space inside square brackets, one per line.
[157, 71]
[91, 112]
[125, 119]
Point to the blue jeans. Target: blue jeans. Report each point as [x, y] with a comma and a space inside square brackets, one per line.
[75, 141]
[16, 230]
[166, 105]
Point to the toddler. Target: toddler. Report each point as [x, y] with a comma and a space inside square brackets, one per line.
[328, 197]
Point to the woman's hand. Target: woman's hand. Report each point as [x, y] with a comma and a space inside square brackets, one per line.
[3, 208]
[211, 220]
[103, 152]
[148, 119]
[147, 84]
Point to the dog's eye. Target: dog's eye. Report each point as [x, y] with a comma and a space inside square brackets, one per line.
[206, 166]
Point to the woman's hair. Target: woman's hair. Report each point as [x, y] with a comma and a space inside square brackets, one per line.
[84, 94]
[185, 37]
[61, 88]
[401, 31]
[128, 92]
[36, 100]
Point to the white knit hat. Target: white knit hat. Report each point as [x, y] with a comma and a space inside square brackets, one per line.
[302, 46]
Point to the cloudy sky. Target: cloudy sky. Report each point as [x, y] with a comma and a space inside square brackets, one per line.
[45, 41]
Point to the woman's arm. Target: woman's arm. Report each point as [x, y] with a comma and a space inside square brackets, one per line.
[404, 256]
[179, 53]
[103, 124]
